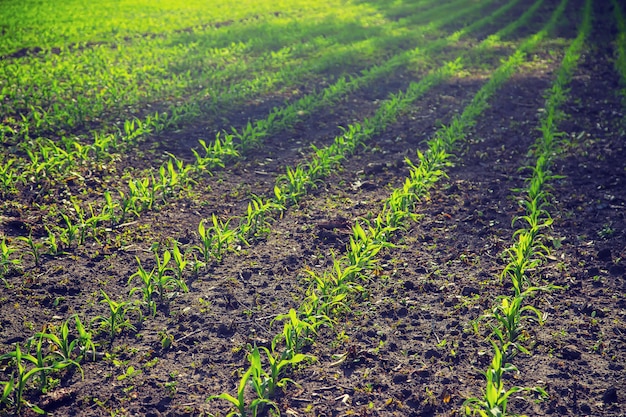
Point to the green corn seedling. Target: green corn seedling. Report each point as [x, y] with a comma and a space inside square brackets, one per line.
[324, 295]
[63, 347]
[495, 399]
[296, 333]
[243, 409]
[5, 257]
[265, 383]
[163, 281]
[181, 264]
[508, 315]
[85, 342]
[70, 232]
[34, 247]
[148, 290]
[215, 239]
[294, 183]
[257, 221]
[117, 321]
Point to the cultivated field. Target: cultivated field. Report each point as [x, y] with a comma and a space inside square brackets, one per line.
[297, 208]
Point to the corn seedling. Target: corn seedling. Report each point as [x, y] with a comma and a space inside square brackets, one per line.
[508, 314]
[148, 290]
[163, 281]
[239, 402]
[62, 346]
[296, 333]
[215, 154]
[324, 295]
[70, 232]
[34, 247]
[495, 399]
[294, 183]
[8, 178]
[85, 342]
[265, 383]
[51, 240]
[5, 258]
[117, 321]
[257, 221]
[364, 246]
[181, 264]
[215, 239]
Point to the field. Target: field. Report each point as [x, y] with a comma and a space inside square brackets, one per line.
[338, 208]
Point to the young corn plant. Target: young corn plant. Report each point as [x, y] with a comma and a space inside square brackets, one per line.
[143, 192]
[34, 247]
[85, 343]
[117, 320]
[163, 281]
[257, 224]
[264, 382]
[293, 185]
[495, 399]
[364, 245]
[215, 154]
[243, 409]
[296, 333]
[6, 261]
[180, 265]
[508, 315]
[215, 239]
[148, 290]
[9, 178]
[324, 295]
[61, 345]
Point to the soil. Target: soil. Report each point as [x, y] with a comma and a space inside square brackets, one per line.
[409, 338]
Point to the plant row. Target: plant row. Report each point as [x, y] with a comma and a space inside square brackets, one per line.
[505, 320]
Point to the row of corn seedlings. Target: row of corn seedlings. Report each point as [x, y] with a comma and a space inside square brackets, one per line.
[83, 88]
[328, 292]
[506, 317]
[145, 194]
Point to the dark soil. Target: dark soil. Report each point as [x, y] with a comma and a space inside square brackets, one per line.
[409, 339]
